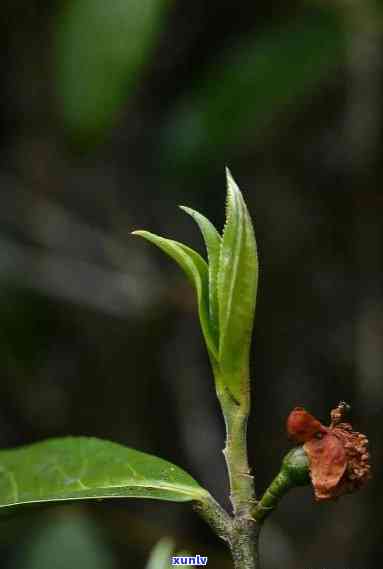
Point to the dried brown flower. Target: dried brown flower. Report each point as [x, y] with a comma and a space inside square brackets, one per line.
[339, 457]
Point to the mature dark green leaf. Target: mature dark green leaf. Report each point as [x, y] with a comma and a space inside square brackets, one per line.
[100, 48]
[196, 270]
[213, 243]
[83, 468]
[237, 288]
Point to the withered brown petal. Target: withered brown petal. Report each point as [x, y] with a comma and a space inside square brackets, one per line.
[328, 463]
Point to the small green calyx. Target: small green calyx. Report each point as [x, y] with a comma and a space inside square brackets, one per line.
[294, 472]
[296, 467]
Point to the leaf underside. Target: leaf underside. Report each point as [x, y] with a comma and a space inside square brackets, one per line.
[80, 468]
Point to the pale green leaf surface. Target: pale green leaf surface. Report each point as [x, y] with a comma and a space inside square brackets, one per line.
[237, 288]
[161, 554]
[196, 270]
[76, 468]
[213, 243]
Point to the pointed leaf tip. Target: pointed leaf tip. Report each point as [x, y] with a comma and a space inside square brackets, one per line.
[228, 174]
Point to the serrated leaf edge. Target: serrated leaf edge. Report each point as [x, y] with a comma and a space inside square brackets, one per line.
[234, 207]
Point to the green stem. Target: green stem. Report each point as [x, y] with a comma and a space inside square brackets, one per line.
[281, 484]
[236, 416]
[241, 481]
[241, 534]
[242, 530]
[244, 534]
[244, 544]
[217, 518]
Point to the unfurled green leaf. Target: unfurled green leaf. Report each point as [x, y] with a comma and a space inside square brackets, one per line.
[213, 243]
[84, 468]
[196, 270]
[237, 287]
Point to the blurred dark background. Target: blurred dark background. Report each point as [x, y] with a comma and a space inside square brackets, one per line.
[112, 113]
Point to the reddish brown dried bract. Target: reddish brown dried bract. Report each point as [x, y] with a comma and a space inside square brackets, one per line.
[339, 457]
[302, 426]
[328, 464]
